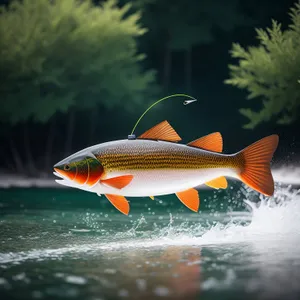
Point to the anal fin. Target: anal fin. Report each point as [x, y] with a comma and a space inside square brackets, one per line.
[190, 198]
[119, 202]
[218, 183]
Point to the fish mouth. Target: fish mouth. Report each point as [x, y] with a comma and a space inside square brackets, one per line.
[62, 179]
[65, 181]
[58, 173]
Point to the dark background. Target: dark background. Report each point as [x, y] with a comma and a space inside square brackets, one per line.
[216, 109]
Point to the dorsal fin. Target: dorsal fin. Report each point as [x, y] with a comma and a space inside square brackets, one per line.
[210, 142]
[217, 183]
[162, 131]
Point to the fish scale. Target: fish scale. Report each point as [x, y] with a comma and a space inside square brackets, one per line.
[160, 155]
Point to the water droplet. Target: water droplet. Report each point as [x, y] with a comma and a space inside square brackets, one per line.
[123, 293]
[110, 271]
[161, 291]
[75, 279]
[141, 284]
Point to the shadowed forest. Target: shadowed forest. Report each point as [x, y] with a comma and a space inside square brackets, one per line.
[76, 73]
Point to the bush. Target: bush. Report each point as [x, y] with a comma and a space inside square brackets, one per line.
[271, 72]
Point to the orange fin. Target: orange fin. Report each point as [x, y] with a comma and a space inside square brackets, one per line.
[210, 142]
[255, 164]
[119, 202]
[218, 183]
[162, 131]
[152, 197]
[118, 182]
[190, 198]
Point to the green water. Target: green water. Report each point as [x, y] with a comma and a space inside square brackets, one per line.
[70, 244]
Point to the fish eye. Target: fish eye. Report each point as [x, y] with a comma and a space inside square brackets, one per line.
[67, 167]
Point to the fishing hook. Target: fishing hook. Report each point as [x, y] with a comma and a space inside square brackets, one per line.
[186, 102]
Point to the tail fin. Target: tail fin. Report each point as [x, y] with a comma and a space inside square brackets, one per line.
[255, 161]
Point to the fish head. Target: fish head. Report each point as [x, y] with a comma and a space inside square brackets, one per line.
[79, 171]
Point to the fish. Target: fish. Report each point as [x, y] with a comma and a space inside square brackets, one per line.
[156, 164]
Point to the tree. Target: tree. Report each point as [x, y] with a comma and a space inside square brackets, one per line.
[178, 28]
[69, 55]
[270, 72]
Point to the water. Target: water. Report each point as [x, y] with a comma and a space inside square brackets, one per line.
[68, 244]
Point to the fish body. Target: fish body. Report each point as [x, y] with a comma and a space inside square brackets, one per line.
[149, 166]
[158, 167]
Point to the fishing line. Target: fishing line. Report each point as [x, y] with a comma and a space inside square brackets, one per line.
[186, 102]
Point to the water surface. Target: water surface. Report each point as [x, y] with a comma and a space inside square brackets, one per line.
[69, 244]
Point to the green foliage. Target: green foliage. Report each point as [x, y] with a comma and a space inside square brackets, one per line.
[57, 54]
[271, 72]
[188, 27]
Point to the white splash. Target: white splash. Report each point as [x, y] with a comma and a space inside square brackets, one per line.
[272, 218]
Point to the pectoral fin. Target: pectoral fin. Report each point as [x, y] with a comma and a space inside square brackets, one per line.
[152, 197]
[218, 183]
[190, 198]
[119, 202]
[118, 182]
